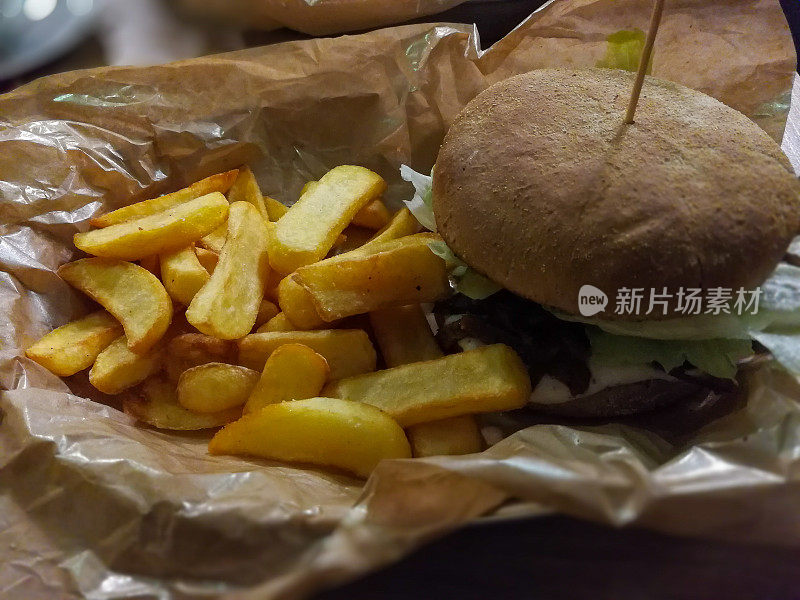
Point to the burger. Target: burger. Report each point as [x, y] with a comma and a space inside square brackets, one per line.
[634, 268]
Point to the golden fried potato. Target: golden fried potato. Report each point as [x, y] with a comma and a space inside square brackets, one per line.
[215, 241]
[403, 335]
[292, 372]
[182, 274]
[395, 273]
[403, 223]
[117, 368]
[297, 305]
[354, 237]
[320, 431]
[373, 216]
[129, 292]
[487, 379]
[308, 230]
[266, 311]
[192, 349]
[152, 264]
[245, 189]
[158, 406]
[348, 351]
[215, 386]
[74, 347]
[171, 229]
[277, 323]
[453, 436]
[220, 182]
[275, 209]
[227, 305]
[207, 258]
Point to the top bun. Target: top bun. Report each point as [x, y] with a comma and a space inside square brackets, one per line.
[540, 186]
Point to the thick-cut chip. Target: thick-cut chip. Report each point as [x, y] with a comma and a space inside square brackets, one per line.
[129, 292]
[277, 323]
[354, 237]
[310, 227]
[152, 264]
[182, 274]
[403, 223]
[207, 258]
[348, 351]
[308, 186]
[273, 282]
[215, 240]
[398, 272]
[487, 379]
[245, 189]
[215, 386]
[297, 304]
[221, 182]
[158, 406]
[192, 349]
[321, 431]
[74, 347]
[275, 209]
[373, 216]
[227, 306]
[117, 368]
[266, 312]
[403, 335]
[292, 372]
[169, 230]
[457, 435]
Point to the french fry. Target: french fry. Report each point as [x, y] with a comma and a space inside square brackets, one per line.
[207, 258]
[348, 351]
[403, 223]
[453, 436]
[117, 368]
[245, 189]
[277, 323]
[215, 240]
[297, 304]
[221, 182]
[320, 431]
[354, 237]
[129, 292]
[192, 349]
[158, 406]
[374, 215]
[273, 282]
[403, 335]
[275, 209]
[227, 305]
[152, 264]
[308, 186]
[487, 379]
[214, 387]
[74, 347]
[310, 227]
[182, 274]
[398, 272]
[266, 311]
[171, 229]
[292, 372]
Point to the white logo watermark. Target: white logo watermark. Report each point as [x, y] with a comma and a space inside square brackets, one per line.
[684, 301]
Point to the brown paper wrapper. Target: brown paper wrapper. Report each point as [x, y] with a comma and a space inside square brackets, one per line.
[93, 504]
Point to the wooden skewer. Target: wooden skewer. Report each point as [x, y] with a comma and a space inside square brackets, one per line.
[655, 21]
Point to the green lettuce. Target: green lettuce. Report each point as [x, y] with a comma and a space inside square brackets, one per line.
[717, 357]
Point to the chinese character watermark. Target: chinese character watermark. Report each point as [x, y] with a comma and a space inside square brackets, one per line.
[683, 301]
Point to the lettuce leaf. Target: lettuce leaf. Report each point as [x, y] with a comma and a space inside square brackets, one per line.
[465, 280]
[717, 357]
[420, 205]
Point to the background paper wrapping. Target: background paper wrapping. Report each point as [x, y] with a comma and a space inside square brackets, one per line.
[93, 505]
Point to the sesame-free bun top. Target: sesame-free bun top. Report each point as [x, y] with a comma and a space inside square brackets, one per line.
[540, 186]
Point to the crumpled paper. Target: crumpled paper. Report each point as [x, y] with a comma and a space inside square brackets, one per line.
[94, 505]
[315, 17]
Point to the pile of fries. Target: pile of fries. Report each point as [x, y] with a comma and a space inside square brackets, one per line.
[221, 307]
